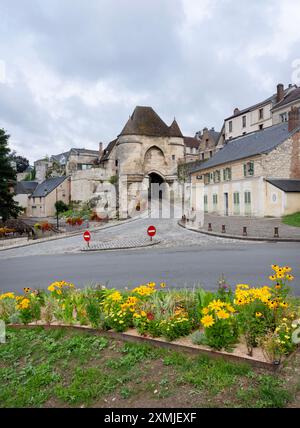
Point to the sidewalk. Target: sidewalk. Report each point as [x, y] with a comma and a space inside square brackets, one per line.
[258, 229]
[23, 242]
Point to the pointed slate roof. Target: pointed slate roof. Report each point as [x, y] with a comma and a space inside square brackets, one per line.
[175, 130]
[145, 121]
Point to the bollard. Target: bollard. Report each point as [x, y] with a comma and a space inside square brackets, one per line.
[209, 227]
[245, 233]
[223, 228]
[276, 232]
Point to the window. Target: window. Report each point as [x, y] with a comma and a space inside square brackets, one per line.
[236, 203]
[215, 202]
[202, 156]
[261, 127]
[230, 126]
[248, 198]
[261, 114]
[227, 174]
[236, 198]
[207, 178]
[117, 163]
[244, 121]
[205, 204]
[249, 169]
[217, 176]
[173, 157]
[211, 154]
[284, 117]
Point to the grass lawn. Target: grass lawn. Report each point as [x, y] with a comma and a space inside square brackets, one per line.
[60, 368]
[292, 219]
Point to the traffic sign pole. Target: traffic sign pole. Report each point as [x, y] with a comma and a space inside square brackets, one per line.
[151, 232]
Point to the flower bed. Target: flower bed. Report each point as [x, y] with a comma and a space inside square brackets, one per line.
[255, 324]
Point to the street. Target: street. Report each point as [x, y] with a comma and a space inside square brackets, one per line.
[183, 259]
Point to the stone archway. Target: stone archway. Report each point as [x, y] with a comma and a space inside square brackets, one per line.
[154, 190]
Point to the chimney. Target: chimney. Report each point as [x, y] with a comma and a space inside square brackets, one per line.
[294, 119]
[280, 92]
[236, 111]
[100, 149]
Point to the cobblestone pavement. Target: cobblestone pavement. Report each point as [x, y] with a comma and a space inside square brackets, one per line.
[120, 244]
[256, 227]
[169, 234]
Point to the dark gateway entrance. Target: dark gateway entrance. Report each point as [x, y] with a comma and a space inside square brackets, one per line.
[155, 180]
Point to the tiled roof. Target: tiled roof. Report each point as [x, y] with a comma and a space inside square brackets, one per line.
[107, 151]
[192, 142]
[214, 135]
[250, 145]
[145, 121]
[25, 187]
[48, 186]
[292, 96]
[174, 130]
[286, 185]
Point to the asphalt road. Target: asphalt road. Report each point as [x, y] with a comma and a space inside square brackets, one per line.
[180, 266]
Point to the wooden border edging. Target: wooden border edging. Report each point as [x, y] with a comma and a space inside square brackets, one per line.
[160, 343]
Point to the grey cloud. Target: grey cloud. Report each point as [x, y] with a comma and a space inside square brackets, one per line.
[145, 52]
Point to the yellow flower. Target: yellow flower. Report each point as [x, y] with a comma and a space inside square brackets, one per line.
[230, 308]
[207, 321]
[163, 285]
[223, 315]
[143, 314]
[273, 277]
[289, 277]
[51, 288]
[7, 296]
[258, 314]
[216, 305]
[205, 311]
[284, 305]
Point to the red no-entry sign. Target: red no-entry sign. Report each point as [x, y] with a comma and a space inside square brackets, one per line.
[87, 236]
[151, 231]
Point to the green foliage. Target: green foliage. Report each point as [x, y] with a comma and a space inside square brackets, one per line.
[21, 162]
[61, 207]
[40, 367]
[114, 180]
[8, 207]
[222, 335]
[292, 219]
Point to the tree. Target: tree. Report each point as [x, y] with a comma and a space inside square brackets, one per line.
[8, 207]
[61, 207]
[21, 162]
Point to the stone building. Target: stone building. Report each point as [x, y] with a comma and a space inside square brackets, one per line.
[67, 163]
[147, 151]
[254, 175]
[41, 203]
[268, 112]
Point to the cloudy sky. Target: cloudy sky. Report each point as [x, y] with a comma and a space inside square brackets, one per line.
[72, 71]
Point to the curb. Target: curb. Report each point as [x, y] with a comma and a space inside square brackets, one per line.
[69, 235]
[150, 244]
[239, 237]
